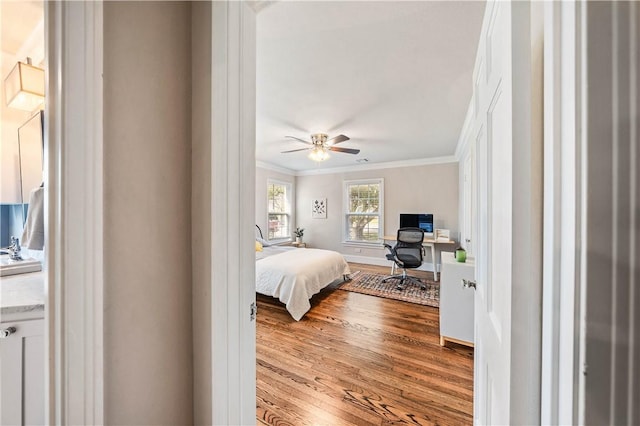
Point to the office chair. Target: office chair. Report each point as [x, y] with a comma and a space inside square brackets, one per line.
[407, 254]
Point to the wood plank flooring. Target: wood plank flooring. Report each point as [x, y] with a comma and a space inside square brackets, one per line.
[356, 359]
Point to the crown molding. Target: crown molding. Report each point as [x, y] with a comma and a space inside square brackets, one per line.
[360, 167]
[378, 166]
[274, 168]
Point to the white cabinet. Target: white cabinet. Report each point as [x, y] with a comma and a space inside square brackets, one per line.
[456, 301]
[22, 361]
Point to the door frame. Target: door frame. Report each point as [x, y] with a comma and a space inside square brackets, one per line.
[74, 213]
[592, 76]
[563, 215]
[233, 327]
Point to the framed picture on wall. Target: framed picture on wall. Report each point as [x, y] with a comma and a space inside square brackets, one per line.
[319, 208]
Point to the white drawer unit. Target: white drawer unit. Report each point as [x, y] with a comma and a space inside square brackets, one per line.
[456, 301]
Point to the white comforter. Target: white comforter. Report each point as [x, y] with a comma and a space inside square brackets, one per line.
[295, 275]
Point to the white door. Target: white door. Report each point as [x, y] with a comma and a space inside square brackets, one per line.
[506, 349]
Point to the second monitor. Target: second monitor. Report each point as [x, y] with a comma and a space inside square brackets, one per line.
[422, 221]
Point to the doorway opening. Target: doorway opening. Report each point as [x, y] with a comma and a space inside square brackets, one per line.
[354, 357]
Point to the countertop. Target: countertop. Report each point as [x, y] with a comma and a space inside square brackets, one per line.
[22, 296]
[448, 257]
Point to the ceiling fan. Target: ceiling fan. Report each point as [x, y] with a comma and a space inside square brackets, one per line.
[321, 145]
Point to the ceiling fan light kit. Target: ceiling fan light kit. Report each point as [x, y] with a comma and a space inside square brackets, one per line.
[318, 154]
[321, 145]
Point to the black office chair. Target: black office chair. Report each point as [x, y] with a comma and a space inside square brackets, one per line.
[407, 254]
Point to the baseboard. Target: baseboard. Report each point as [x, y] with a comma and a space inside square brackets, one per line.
[378, 261]
[367, 260]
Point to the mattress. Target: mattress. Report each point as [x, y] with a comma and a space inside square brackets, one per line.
[294, 275]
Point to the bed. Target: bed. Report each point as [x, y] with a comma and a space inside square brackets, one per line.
[294, 275]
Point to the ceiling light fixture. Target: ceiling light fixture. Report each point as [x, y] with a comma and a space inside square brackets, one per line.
[320, 146]
[24, 87]
[319, 154]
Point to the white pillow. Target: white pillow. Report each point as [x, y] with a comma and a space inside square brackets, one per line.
[262, 241]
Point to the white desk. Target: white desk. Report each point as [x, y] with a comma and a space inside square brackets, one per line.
[431, 243]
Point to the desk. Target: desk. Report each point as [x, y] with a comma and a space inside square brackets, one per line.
[427, 242]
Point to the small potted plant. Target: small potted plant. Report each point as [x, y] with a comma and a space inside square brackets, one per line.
[299, 232]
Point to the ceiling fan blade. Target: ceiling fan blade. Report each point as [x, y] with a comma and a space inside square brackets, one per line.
[300, 140]
[345, 150]
[337, 139]
[295, 150]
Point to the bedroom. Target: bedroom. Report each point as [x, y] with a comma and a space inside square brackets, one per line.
[404, 114]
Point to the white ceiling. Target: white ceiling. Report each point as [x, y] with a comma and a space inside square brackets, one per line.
[18, 20]
[393, 76]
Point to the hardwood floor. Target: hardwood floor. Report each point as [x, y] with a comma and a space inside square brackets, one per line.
[356, 359]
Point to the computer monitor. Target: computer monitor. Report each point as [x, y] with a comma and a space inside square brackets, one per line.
[422, 221]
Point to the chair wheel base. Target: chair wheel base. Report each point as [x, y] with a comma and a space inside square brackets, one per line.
[404, 280]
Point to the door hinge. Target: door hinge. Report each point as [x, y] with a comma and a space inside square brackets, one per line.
[253, 310]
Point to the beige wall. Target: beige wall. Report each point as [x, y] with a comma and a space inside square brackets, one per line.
[262, 177]
[201, 209]
[147, 241]
[416, 189]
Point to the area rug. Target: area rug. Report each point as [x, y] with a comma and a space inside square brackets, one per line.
[368, 283]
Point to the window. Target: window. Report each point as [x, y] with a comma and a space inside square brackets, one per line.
[364, 210]
[279, 206]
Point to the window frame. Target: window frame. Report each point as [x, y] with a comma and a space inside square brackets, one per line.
[346, 213]
[288, 210]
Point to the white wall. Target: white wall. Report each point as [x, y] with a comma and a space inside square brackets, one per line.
[416, 189]
[147, 242]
